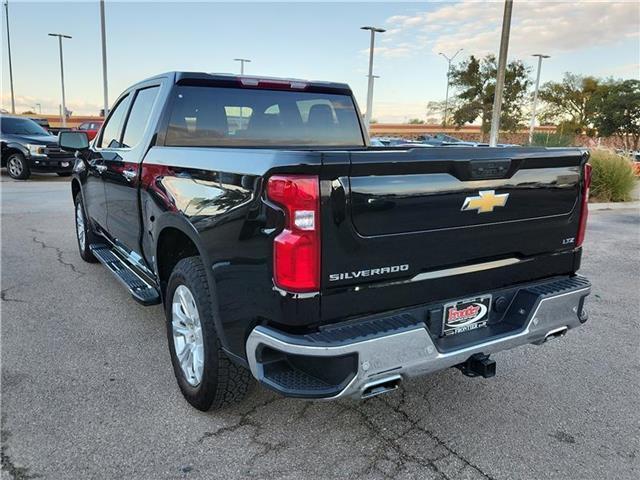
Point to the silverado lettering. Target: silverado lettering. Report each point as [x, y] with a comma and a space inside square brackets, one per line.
[229, 200]
[368, 273]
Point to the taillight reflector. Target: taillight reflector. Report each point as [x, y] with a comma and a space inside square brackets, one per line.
[296, 250]
[584, 207]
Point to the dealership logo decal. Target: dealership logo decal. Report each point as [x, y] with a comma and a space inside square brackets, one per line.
[466, 315]
[485, 202]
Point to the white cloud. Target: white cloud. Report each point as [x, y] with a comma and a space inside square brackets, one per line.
[549, 27]
[396, 51]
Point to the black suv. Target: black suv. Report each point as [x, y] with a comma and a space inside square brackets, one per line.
[27, 147]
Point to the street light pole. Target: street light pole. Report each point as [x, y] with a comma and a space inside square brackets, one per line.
[242, 62]
[446, 99]
[64, 105]
[105, 93]
[367, 115]
[502, 66]
[13, 99]
[535, 95]
[39, 107]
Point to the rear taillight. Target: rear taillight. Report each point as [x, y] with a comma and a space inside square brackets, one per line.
[296, 250]
[584, 207]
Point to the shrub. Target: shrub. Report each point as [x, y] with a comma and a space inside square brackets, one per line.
[552, 139]
[612, 178]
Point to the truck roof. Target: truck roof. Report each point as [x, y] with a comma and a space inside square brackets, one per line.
[185, 78]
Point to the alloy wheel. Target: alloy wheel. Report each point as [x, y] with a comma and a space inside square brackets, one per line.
[187, 335]
[15, 166]
[80, 231]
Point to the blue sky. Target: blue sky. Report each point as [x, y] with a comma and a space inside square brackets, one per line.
[314, 40]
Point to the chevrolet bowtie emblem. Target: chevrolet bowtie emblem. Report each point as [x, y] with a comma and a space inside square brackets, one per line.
[485, 202]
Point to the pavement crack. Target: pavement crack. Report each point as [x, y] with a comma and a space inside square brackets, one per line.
[4, 298]
[59, 254]
[441, 443]
[389, 444]
[266, 448]
[243, 422]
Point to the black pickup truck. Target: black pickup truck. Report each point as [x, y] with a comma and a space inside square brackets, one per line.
[284, 247]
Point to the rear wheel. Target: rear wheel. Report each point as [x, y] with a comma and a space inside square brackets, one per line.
[17, 166]
[84, 234]
[206, 376]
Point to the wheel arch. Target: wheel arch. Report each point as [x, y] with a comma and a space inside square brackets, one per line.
[174, 230]
[10, 149]
[173, 245]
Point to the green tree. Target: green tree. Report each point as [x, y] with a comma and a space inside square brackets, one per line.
[475, 83]
[570, 103]
[435, 111]
[415, 121]
[617, 111]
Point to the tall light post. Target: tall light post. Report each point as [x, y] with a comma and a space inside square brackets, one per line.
[535, 95]
[242, 62]
[502, 66]
[103, 34]
[13, 99]
[64, 105]
[367, 115]
[446, 98]
[39, 107]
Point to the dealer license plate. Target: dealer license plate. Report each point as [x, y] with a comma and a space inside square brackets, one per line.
[466, 315]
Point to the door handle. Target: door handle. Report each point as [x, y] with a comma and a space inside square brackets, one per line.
[101, 168]
[129, 174]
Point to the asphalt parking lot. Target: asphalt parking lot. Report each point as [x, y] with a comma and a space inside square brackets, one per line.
[88, 390]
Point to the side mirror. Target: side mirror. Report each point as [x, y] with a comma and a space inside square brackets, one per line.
[73, 141]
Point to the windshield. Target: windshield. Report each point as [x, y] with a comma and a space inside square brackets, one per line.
[243, 117]
[21, 126]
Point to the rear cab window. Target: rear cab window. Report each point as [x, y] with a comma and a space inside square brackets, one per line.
[206, 116]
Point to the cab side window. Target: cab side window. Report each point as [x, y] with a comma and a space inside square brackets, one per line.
[139, 116]
[113, 127]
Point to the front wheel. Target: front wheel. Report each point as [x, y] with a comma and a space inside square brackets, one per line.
[18, 167]
[84, 234]
[206, 376]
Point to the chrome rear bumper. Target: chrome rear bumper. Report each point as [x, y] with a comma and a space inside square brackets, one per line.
[330, 365]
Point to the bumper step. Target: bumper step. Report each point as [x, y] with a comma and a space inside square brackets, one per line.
[370, 356]
[141, 291]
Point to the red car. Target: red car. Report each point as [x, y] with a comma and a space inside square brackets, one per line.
[90, 128]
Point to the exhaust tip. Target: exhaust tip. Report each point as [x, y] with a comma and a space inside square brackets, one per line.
[557, 333]
[382, 386]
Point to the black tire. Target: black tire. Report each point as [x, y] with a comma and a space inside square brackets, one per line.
[223, 382]
[89, 236]
[17, 166]
[64, 174]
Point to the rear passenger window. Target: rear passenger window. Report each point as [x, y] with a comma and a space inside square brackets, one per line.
[203, 116]
[113, 127]
[139, 116]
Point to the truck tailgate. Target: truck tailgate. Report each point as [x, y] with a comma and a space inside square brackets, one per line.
[404, 227]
